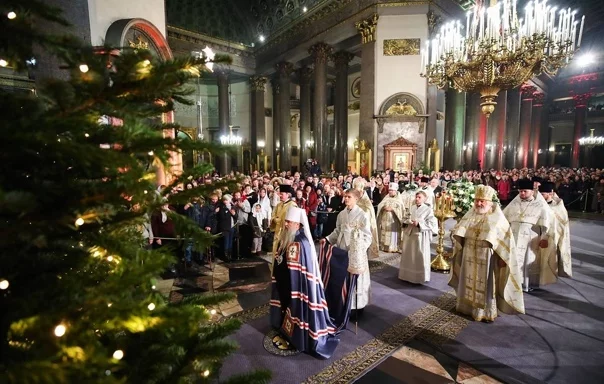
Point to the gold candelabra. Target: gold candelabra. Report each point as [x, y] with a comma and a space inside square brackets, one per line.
[443, 210]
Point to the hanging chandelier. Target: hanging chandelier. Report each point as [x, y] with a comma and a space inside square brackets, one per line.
[499, 51]
[231, 139]
[591, 140]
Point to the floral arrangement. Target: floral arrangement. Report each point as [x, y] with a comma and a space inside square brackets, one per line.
[411, 186]
[463, 196]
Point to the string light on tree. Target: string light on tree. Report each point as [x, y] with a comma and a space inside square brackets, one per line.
[11, 15]
[4, 284]
[79, 222]
[151, 306]
[60, 330]
[118, 354]
[83, 68]
[3, 63]
[206, 373]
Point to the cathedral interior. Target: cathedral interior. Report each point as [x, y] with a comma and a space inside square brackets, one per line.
[339, 81]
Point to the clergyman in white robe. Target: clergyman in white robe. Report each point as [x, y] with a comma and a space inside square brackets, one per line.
[556, 258]
[353, 234]
[530, 219]
[416, 238]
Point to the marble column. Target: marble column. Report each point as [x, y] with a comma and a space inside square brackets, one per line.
[367, 28]
[304, 77]
[320, 53]
[257, 129]
[536, 124]
[526, 116]
[512, 129]
[341, 60]
[276, 123]
[499, 125]
[432, 111]
[455, 121]
[284, 70]
[580, 117]
[224, 162]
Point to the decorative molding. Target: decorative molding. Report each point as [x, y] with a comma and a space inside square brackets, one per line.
[403, 107]
[582, 78]
[355, 88]
[434, 21]
[401, 47]
[367, 28]
[320, 52]
[258, 83]
[212, 42]
[275, 85]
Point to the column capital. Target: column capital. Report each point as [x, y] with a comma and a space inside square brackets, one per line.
[304, 75]
[527, 91]
[320, 52]
[341, 59]
[284, 68]
[367, 28]
[581, 99]
[222, 72]
[257, 83]
[538, 99]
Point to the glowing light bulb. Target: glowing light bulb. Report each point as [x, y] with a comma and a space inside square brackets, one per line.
[118, 354]
[60, 330]
[153, 287]
[3, 63]
[83, 68]
[150, 153]
[109, 305]
[86, 135]
[206, 373]
[79, 222]
[11, 15]
[4, 284]
[146, 62]
[151, 306]
[109, 258]
[213, 312]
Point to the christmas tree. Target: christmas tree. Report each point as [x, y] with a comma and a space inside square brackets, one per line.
[78, 302]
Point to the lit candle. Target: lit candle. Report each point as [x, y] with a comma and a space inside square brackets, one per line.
[581, 31]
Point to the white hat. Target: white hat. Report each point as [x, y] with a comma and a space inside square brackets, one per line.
[296, 215]
[393, 187]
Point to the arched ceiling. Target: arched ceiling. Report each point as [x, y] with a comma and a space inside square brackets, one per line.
[241, 21]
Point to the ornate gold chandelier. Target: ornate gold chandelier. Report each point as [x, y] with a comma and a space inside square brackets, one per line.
[500, 51]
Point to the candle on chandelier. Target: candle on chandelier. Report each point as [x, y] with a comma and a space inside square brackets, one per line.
[581, 31]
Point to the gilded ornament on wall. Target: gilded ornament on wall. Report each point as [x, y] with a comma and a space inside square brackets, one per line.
[401, 47]
[401, 107]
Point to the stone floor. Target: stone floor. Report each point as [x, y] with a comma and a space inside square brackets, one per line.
[415, 363]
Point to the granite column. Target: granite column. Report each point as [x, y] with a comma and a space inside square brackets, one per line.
[320, 53]
[341, 60]
[304, 77]
[284, 70]
[580, 117]
[257, 129]
[455, 121]
[224, 161]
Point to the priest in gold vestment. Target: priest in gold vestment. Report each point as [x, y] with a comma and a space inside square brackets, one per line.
[279, 213]
[485, 270]
[531, 220]
[556, 258]
[360, 184]
[390, 214]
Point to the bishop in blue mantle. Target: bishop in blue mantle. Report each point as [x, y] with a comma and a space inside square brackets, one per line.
[298, 308]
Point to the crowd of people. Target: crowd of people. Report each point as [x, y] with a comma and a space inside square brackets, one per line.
[499, 250]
